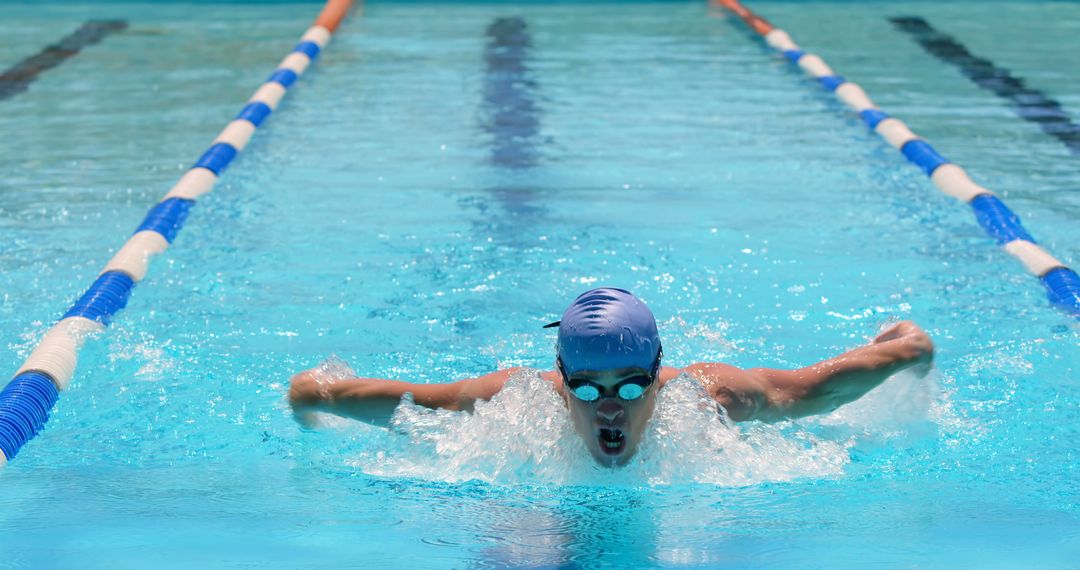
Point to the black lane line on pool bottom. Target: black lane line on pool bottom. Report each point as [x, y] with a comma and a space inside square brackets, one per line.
[1030, 104]
[19, 77]
[512, 116]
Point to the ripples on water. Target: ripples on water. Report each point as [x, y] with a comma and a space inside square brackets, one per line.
[524, 435]
[367, 219]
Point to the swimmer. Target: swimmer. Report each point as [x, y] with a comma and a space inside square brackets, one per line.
[608, 371]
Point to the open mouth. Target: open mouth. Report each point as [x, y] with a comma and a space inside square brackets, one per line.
[612, 441]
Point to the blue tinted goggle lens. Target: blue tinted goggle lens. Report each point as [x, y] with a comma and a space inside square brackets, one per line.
[587, 392]
[631, 391]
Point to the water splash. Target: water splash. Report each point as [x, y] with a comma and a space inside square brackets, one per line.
[690, 439]
[524, 435]
[332, 370]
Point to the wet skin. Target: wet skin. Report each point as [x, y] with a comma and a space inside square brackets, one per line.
[612, 427]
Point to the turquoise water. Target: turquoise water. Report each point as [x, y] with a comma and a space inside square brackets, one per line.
[673, 155]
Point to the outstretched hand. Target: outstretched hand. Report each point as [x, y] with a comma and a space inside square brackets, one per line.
[305, 394]
[912, 342]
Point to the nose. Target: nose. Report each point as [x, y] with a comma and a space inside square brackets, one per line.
[609, 411]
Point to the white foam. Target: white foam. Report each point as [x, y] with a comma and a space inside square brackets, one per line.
[524, 435]
[690, 440]
[330, 371]
[153, 358]
[904, 402]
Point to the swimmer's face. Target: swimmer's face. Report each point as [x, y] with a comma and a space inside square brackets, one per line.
[612, 427]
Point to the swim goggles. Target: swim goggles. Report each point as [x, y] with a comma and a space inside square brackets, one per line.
[627, 390]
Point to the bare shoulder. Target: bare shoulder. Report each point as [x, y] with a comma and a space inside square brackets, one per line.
[485, 387]
[739, 391]
[716, 375]
[554, 377]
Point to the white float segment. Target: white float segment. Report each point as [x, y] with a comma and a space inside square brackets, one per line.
[192, 184]
[815, 66]
[1036, 259]
[58, 351]
[780, 40]
[237, 133]
[853, 96]
[3, 460]
[317, 34]
[895, 131]
[134, 258]
[296, 61]
[954, 181]
[270, 93]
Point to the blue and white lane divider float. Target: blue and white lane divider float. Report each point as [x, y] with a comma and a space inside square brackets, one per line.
[27, 399]
[1061, 282]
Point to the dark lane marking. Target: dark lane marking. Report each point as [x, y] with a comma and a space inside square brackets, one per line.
[1031, 104]
[511, 114]
[19, 77]
[510, 120]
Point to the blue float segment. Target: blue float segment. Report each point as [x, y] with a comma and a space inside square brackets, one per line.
[167, 217]
[921, 153]
[831, 82]
[24, 408]
[998, 220]
[873, 117]
[1063, 288]
[311, 49]
[794, 54]
[285, 77]
[256, 112]
[108, 294]
[217, 158]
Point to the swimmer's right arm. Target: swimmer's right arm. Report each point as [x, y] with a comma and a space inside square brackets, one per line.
[772, 395]
[373, 400]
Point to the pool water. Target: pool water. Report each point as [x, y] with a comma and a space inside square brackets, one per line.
[443, 183]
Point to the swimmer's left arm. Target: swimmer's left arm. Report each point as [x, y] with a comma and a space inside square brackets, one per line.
[772, 395]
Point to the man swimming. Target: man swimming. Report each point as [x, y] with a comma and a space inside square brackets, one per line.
[608, 372]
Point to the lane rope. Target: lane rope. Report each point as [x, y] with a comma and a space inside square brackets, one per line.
[26, 400]
[1062, 283]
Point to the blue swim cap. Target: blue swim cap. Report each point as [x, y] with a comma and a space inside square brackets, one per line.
[607, 328]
